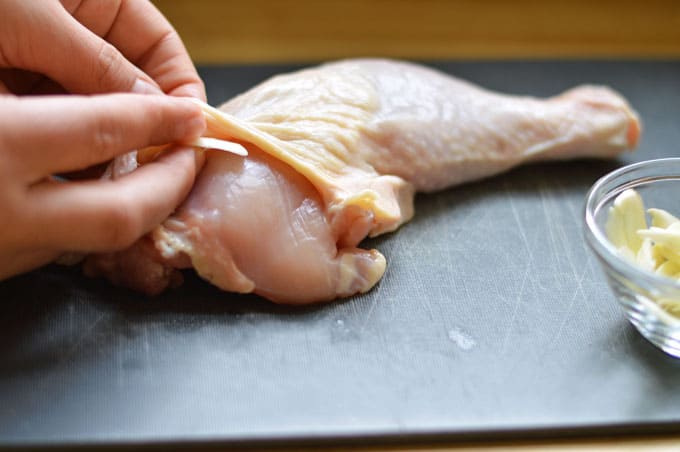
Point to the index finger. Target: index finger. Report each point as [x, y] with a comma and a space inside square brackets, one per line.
[154, 46]
[55, 134]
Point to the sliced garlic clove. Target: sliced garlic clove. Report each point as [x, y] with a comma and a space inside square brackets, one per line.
[660, 236]
[646, 257]
[221, 145]
[668, 269]
[627, 216]
[661, 218]
[614, 228]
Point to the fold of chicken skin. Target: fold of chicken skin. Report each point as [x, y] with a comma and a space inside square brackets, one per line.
[336, 154]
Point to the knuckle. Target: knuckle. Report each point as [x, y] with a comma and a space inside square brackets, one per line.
[108, 63]
[107, 137]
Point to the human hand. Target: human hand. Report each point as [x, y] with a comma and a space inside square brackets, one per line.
[92, 46]
[42, 217]
[88, 47]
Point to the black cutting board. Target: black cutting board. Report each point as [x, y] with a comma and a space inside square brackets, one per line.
[493, 316]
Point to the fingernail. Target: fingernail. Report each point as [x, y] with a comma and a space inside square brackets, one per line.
[142, 86]
[192, 91]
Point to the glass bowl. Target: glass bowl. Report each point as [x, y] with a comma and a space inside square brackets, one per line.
[641, 292]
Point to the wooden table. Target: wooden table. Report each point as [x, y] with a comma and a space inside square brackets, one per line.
[607, 444]
[252, 31]
[266, 31]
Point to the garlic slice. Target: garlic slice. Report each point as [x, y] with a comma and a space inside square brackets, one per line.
[659, 243]
[218, 144]
[655, 248]
[626, 217]
[661, 218]
[215, 143]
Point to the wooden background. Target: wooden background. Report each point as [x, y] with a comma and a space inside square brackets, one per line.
[248, 31]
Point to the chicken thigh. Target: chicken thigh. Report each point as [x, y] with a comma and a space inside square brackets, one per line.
[336, 154]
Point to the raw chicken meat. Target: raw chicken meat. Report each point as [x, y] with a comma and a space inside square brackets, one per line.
[336, 153]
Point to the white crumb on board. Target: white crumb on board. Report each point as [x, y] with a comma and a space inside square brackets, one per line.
[463, 340]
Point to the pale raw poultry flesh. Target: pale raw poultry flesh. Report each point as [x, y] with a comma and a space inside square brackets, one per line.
[336, 154]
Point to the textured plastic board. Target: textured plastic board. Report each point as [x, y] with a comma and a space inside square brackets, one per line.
[493, 317]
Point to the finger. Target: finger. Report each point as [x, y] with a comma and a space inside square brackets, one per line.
[97, 216]
[155, 46]
[22, 261]
[78, 132]
[76, 58]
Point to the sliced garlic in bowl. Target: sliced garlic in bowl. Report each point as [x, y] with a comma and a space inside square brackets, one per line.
[639, 248]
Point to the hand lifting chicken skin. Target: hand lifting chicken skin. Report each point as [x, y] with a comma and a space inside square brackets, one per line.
[336, 154]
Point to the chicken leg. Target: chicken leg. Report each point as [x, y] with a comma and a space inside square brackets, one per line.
[336, 154]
